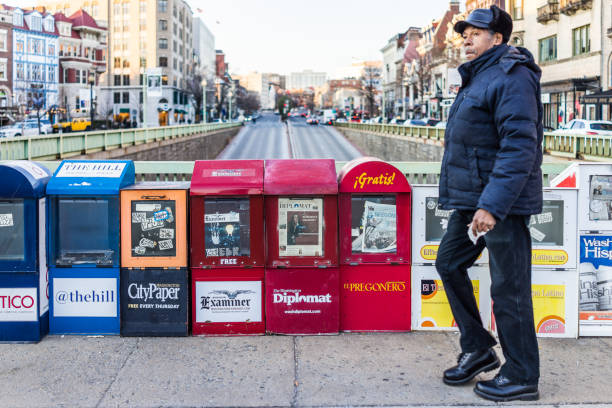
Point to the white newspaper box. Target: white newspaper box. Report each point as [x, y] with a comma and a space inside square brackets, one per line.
[430, 307]
[429, 224]
[594, 218]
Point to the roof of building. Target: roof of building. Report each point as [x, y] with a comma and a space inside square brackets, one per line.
[61, 17]
[81, 18]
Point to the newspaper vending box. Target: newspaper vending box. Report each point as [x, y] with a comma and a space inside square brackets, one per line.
[83, 245]
[227, 247]
[154, 268]
[374, 227]
[24, 295]
[430, 307]
[594, 183]
[302, 275]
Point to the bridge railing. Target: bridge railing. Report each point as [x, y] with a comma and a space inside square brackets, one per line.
[63, 145]
[584, 147]
[416, 172]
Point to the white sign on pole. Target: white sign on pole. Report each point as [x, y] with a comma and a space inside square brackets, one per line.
[154, 82]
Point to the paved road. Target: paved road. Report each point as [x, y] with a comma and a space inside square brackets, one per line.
[360, 370]
[269, 138]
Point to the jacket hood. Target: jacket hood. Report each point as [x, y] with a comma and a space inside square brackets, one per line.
[519, 55]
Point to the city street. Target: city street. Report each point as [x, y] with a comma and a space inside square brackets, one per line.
[402, 369]
[270, 138]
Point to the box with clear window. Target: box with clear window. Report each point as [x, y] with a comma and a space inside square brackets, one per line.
[84, 245]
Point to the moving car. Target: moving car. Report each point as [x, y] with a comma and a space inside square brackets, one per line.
[312, 120]
[586, 127]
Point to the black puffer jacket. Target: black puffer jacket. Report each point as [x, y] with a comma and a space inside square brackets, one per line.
[493, 139]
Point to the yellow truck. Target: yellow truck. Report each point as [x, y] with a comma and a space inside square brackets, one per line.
[75, 125]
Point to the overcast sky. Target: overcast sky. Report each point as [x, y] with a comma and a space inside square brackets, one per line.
[322, 35]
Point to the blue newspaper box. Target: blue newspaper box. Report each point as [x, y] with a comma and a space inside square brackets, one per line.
[24, 296]
[84, 248]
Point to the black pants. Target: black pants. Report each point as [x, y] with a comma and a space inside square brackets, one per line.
[509, 245]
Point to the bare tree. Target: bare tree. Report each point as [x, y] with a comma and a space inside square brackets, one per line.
[248, 101]
[368, 88]
[105, 108]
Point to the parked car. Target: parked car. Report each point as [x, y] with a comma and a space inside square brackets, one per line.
[586, 127]
[341, 120]
[75, 125]
[18, 129]
[441, 124]
[45, 125]
[396, 121]
[415, 122]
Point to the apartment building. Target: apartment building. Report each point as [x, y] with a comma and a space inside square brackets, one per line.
[7, 110]
[306, 79]
[565, 37]
[35, 60]
[143, 35]
[82, 60]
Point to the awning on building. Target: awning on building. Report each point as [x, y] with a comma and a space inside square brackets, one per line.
[124, 110]
[597, 98]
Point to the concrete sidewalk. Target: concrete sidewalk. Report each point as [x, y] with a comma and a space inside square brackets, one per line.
[345, 370]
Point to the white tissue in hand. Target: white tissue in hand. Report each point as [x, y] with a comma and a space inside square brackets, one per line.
[474, 237]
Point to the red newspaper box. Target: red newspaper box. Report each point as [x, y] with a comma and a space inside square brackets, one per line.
[302, 275]
[227, 247]
[374, 226]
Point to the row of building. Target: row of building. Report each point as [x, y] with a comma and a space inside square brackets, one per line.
[65, 57]
[571, 40]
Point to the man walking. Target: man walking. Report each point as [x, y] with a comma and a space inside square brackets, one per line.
[491, 177]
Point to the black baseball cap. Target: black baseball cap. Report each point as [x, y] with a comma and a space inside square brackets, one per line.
[492, 18]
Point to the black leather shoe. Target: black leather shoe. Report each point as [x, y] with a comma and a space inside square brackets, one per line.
[469, 365]
[502, 388]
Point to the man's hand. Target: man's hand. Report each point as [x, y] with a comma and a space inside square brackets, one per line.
[483, 221]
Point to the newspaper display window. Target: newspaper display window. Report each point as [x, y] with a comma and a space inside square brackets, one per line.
[300, 227]
[546, 228]
[227, 227]
[12, 230]
[600, 198]
[86, 231]
[153, 228]
[373, 224]
[436, 220]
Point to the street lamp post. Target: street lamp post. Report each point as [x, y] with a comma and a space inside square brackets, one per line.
[143, 74]
[204, 84]
[92, 79]
[231, 96]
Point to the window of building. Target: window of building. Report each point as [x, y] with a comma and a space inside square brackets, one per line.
[20, 70]
[163, 61]
[116, 62]
[87, 52]
[126, 97]
[164, 79]
[163, 44]
[163, 25]
[51, 50]
[142, 6]
[78, 75]
[174, 29]
[174, 63]
[143, 63]
[174, 10]
[126, 64]
[19, 46]
[125, 8]
[126, 80]
[36, 23]
[84, 76]
[18, 18]
[174, 97]
[162, 6]
[582, 42]
[3, 39]
[117, 80]
[548, 48]
[65, 76]
[140, 98]
[116, 97]
[142, 26]
[51, 74]
[174, 47]
[3, 67]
